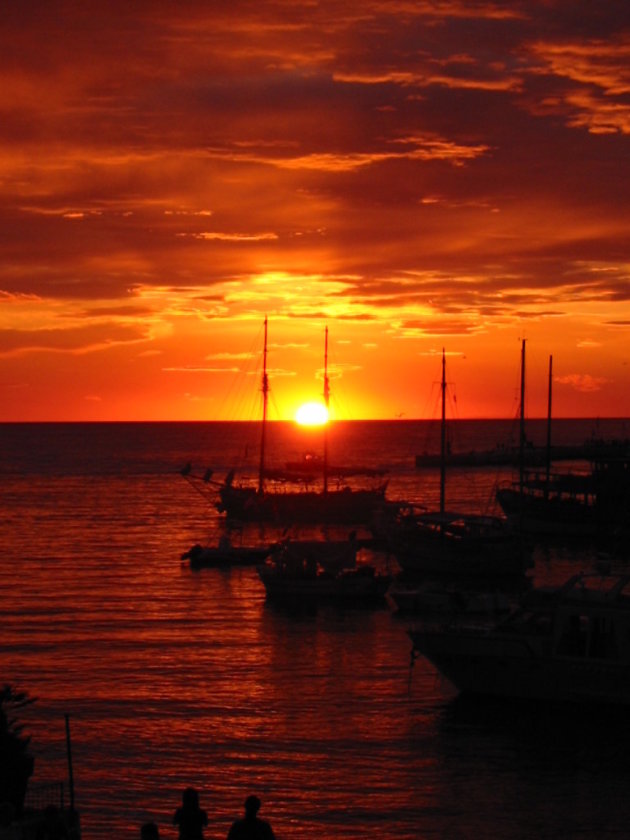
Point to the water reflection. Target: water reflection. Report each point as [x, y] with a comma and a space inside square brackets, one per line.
[174, 678]
[539, 770]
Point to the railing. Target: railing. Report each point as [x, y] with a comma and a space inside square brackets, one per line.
[39, 797]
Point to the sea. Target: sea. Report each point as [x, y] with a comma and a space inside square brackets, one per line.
[169, 677]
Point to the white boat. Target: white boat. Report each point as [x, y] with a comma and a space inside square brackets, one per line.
[566, 644]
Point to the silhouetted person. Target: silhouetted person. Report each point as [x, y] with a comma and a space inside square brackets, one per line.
[149, 831]
[251, 827]
[190, 818]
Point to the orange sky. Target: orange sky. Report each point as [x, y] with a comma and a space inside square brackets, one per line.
[415, 175]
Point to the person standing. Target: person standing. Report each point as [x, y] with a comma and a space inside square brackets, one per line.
[251, 827]
[190, 818]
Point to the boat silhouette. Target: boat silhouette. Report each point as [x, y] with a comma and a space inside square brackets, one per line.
[302, 572]
[567, 644]
[592, 501]
[283, 496]
[443, 542]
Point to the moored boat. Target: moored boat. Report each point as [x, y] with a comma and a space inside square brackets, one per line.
[564, 644]
[562, 504]
[308, 571]
[455, 542]
[284, 497]
[432, 598]
[284, 503]
[592, 504]
[224, 555]
[590, 501]
[533, 456]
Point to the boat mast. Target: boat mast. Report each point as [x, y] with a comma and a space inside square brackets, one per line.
[521, 445]
[443, 437]
[69, 759]
[265, 393]
[326, 403]
[548, 449]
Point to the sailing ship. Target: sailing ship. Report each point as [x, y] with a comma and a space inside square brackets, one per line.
[451, 542]
[592, 501]
[565, 644]
[283, 496]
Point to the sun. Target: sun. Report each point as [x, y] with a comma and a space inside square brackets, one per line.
[312, 414]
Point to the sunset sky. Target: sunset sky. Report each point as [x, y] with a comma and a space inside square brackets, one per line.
[413, 174]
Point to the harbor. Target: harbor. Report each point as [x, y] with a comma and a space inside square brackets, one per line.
[175, 677]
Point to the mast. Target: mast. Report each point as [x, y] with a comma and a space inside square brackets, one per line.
[443, 437]
[265, 393]
[521, 445]
[69, 759]
[548, 449]
[326, 403]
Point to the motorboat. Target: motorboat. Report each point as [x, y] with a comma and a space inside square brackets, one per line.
[310, 571]
[569, 643]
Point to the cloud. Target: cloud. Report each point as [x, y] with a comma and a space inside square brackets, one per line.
[232, 237]
[587, 343]
[200, 369]
[229, 356]
[598, 74]
[583, 382]
[73, 340]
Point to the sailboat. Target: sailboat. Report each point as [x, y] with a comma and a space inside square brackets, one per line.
[591, 502]
[447, 542]
[280, 495]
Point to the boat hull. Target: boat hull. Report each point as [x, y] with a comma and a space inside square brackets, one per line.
[432, 599]
[346, 506]
[462, 545]
[357, 587]
[542, 516]
[441, 558]
[212, 557]
[480, 663]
